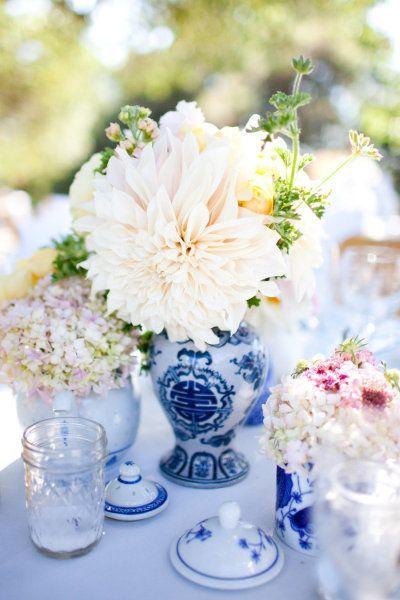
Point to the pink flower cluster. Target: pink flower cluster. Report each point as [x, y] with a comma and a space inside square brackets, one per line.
[59, 337]
[347, 394]
[355, 378]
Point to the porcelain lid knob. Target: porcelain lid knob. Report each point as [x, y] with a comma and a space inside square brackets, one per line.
[129, 471]
[229, 515]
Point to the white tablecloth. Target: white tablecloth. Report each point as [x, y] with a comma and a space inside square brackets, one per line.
[131, 562]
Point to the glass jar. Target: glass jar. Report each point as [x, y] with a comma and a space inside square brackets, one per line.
[64, 480]
[358, 524]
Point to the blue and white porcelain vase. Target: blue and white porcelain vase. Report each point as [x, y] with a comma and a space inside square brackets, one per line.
[256, 416]
[118, 411]
[206, 395]
[294, 507]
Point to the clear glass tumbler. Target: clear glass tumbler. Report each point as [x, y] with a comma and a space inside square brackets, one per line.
[358, 522]
[65, 484]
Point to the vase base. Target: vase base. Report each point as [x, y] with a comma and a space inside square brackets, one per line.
[204, 469]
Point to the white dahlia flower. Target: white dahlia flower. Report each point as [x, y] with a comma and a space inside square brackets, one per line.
[188, 118]
[171, 244]
[82, 187]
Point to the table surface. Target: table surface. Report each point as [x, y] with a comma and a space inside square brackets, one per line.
[131, 561]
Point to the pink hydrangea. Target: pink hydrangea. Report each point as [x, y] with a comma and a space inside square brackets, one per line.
[347, 390]
[59, 337]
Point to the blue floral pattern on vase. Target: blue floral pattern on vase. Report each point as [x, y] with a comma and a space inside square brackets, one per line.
[256, 416]
[294, 507]
[206, 395]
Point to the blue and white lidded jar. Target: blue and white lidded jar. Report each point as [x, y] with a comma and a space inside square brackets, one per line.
[206, 395]
[294, 509]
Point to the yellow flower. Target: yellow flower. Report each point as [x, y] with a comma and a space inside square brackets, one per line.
[261, 200]
[39, 264]
[273, 300]
[16, 285]
[26, 275]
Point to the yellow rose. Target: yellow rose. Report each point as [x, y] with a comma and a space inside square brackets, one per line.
[26, 275]
[40, 263]
[262, 197]
[16, 285]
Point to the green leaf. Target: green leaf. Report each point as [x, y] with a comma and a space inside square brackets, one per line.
[302, 65]
[254, 301]
[106, 154]
[71, 251]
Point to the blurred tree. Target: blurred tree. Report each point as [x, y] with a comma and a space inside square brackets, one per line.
[49, 100]
[228, 54]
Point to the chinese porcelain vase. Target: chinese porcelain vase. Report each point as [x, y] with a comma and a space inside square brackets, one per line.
[206, 395]
[256, 416]
[118, 412]
[294, 506]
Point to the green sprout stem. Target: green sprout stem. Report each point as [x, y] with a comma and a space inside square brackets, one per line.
[296, 136]
[340, 166]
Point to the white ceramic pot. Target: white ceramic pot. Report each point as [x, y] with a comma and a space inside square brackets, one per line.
[118, 412]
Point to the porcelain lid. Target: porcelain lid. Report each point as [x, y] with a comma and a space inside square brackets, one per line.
[130, 497]
[225, 552]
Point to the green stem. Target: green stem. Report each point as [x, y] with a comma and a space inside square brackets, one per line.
[296, 137]
[340, 166]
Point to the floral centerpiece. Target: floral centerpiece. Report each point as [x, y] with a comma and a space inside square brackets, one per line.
[61, 348]
[187, 226]
[345, 400]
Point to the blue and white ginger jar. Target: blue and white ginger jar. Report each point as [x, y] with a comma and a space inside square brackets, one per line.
[206, 395]
[294, 509]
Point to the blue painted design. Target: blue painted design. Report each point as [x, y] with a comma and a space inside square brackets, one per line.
[203, 465]
[160, 499]
[198, 532]
[219, 440]
[251, 367]
[232, 463]
[246, 577]
[197, 398]
[256, 548]
[138, 478]
[198, 392]
[294, 509]
[244, 335]
[256, 416]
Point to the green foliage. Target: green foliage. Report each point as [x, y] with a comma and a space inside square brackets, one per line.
[105, 156]
[302, 65]
[352, 346]
[392, 377]
[287, 201]
[71, 251]
[55, 104]
[254, 301]
[301, 367]
[144, 347]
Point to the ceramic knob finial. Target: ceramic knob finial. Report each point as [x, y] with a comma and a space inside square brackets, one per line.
[229, 515]
[129, 471]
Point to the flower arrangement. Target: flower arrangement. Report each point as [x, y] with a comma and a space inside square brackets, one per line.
[188, 224]
[56, 335]
[345, 399]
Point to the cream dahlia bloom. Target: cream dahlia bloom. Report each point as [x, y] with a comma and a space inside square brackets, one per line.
[82, 187]
[171, 244]
[188, 118]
